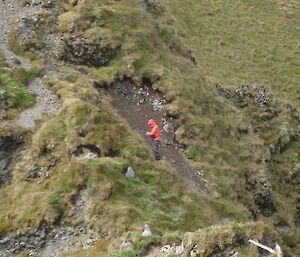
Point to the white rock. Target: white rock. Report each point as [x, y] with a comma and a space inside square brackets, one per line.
[179, 249]
[166, 249]
[147, 232]
[193, 253]
[130, 173]
[126, 246]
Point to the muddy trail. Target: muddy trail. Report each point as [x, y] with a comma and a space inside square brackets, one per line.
[138, 104]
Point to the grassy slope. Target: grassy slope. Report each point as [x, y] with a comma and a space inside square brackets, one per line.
[243, 41]
[158, 49]
[250, 42]
[157, 196]
[247, 53]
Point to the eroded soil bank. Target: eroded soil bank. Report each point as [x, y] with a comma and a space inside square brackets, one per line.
[137, 104]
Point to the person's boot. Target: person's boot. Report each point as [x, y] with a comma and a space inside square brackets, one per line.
[157, 156]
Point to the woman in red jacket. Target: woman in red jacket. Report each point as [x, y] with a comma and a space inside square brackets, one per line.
[155, 135]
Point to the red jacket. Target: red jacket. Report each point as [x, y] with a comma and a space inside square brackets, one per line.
[155, 132]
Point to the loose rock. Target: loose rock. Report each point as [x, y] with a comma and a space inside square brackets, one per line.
[126, 246]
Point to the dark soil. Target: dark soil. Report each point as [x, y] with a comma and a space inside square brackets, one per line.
[8, 146]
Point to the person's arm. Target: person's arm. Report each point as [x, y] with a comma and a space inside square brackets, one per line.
[149, 134]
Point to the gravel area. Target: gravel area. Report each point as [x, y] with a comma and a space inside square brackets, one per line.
[46, 103]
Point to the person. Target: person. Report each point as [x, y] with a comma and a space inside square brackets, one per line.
[155, 135]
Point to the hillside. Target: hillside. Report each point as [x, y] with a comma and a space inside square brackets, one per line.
[79, 81]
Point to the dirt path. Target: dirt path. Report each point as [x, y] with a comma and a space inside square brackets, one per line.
[137, 105]
[46, 101]
[9, 12]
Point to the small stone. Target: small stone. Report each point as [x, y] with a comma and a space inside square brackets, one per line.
[193, 253]
[179, 249]
[166, 249]
[126, 246]
[242, 128]
[130, 173]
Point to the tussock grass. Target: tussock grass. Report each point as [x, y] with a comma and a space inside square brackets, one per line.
[3, 63]
[13, 89]
[16, 96]
[23, 76]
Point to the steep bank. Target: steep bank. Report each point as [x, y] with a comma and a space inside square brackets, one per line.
[245, 136]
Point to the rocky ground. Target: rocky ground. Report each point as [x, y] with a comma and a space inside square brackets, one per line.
[10, 11]
[52, 240]
[46, 101]
[47, 241]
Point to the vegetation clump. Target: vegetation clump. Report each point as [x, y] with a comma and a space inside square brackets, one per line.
[14, 95]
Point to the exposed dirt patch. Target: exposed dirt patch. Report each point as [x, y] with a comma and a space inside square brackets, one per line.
[80, 202]
[138, 104]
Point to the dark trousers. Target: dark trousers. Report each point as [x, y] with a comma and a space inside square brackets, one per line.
[155, 146]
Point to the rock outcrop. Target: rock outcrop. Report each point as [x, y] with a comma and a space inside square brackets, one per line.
[81, 51]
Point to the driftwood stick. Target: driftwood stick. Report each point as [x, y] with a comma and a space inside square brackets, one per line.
[277, 250]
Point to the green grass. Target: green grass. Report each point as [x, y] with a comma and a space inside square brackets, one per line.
[16, 96]
[157, 196]
[13, 88]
